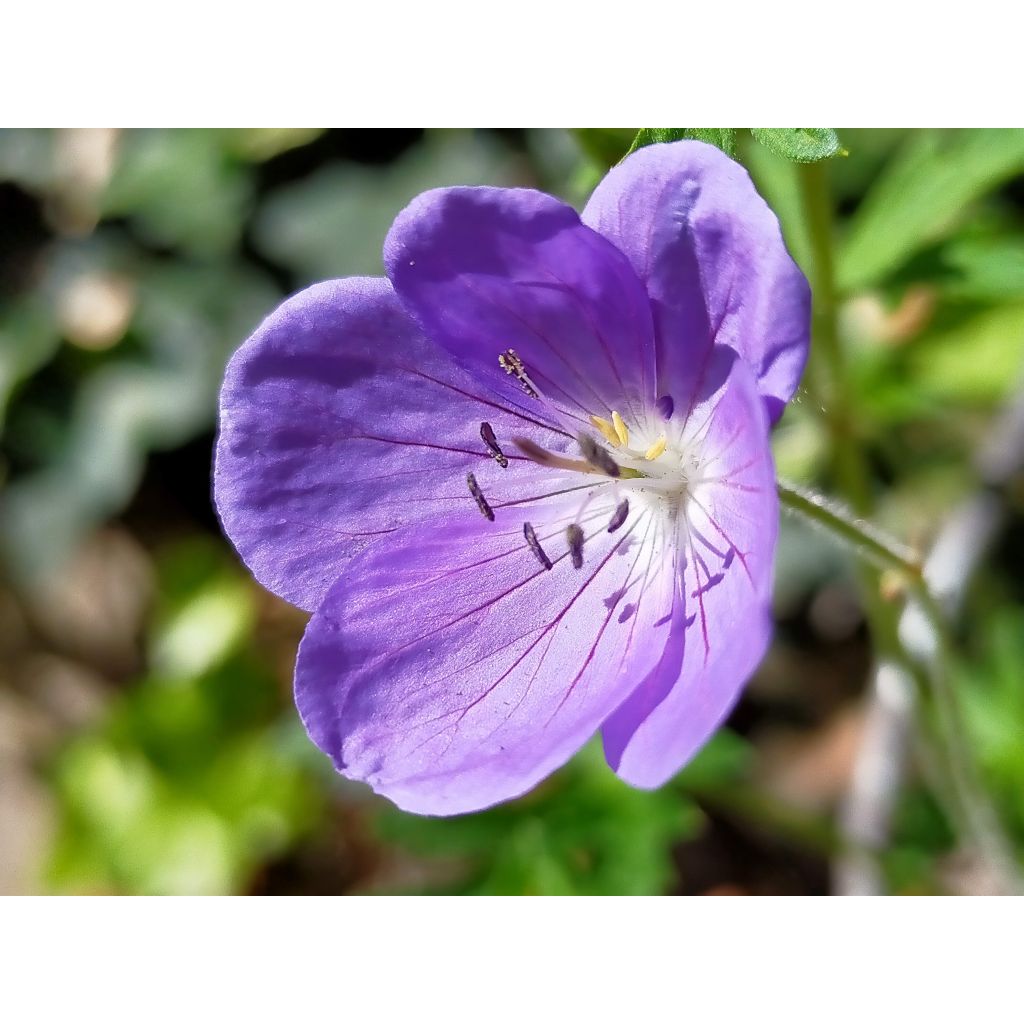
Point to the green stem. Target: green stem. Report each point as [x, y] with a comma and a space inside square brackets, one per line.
[975, 808]
[829, 376]
[868, 542]
[828, 363]
[971, 807]
[864, 538]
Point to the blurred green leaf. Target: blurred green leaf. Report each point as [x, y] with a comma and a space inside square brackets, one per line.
[723, 138]
[334, 222]
[985, 269]
[921, 835]
[923, 193]
[979, 361]
[802, 145]
[260, 144]
[993, 696]
[604, 146]
[182, 186]
[27, 156]
[582, 832]
[201, 634]
[190, 783]
[187, 321]
[723, 760]
[28, 338]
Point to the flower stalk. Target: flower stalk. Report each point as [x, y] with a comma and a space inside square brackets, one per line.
[971, 809]
[865, 539]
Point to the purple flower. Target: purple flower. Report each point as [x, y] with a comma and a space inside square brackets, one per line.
[524, 483]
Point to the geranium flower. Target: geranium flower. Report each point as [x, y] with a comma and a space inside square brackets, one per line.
[524, 482]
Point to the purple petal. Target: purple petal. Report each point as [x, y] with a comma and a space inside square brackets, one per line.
[451, 670]
[340, 422]
[711, 255]
[723, 622]
[485, 270]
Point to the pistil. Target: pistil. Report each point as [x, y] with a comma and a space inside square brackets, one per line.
[543, 457]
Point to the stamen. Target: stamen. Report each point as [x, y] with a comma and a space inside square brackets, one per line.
[531, 540]
[481, 501]
[656, 449]
[665, 406]
[510, 362]
[489, 439]
[542, 457]
[619, 516]
[574, 535]
[597, 456]
[607, 429]
[620, 429]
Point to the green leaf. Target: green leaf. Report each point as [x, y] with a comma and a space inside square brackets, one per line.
[985, 269]
[301, 223]
[582, 832]
[922, 194]
[974, 363]
[723, 138]
[604, 146]
[182, 188]
[804, 145]
[188, 783]
[28, 339]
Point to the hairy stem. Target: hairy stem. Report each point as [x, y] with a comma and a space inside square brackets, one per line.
[972, 808]
[865, 539]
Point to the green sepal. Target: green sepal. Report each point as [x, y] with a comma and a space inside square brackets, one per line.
[803, 145]
[723, 138]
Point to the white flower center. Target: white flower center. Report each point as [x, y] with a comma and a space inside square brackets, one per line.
[663, 467]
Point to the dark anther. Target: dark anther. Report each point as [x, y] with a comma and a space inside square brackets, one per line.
[665, 406]
[481, 501]
[619, 515]
[574, 535]
[597, 456]
[510, 362]
[531, 539]
[487, 434]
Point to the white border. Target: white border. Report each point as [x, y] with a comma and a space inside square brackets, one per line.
[542, 62]
[495, 960]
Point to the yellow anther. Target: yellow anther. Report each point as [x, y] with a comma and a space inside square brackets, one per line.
[655, 450]
[606, 429]
[620, 429]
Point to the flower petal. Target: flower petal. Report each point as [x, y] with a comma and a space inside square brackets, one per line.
[340, 422]
[485, 270]
[723, 620]
[710, 252]
[451, 670]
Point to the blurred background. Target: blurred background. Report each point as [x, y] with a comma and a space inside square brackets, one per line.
[148, 742]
